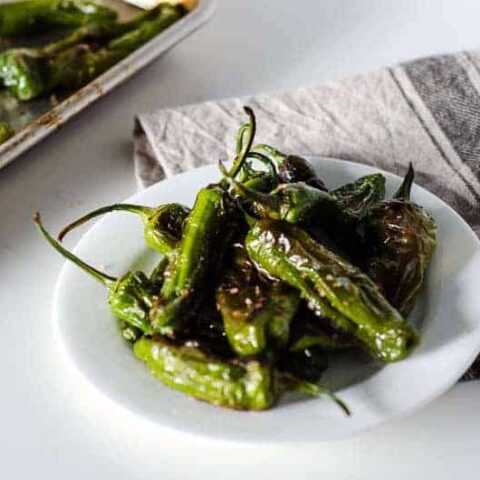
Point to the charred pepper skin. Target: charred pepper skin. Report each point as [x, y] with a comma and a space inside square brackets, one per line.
[360, 196]
[401, 240]
[195, 259]
[333, 287]
[31, 17]
[191, 371]
[162, 225]
[256, 312]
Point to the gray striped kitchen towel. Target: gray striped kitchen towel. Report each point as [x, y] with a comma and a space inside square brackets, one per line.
[425, 111]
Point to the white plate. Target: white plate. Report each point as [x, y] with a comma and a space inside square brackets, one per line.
[448, 309]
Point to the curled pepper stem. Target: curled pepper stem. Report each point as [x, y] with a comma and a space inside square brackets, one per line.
[276, 156]
[263, 198]
[102, 277]
[124, 207]
[249, 130]
[405, 188]
[292, 383]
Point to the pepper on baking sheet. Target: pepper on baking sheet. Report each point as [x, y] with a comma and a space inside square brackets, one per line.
[401, 239]
[130, 296]
[31, 17]
[333, 287]
[256, 311]
[195, 259]
[162, 225]
[72, 62]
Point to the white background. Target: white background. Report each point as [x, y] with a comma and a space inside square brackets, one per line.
[52, 423]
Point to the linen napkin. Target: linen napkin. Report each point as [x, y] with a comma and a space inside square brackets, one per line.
[425, 111]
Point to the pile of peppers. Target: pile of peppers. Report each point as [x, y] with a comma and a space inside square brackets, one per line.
[267, 276]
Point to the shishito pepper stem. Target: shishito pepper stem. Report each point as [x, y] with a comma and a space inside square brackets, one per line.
[144, 212]
[405, 188]
[290, 382]
[102, 277]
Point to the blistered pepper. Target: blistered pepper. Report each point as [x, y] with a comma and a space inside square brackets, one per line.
[401, 239]
[256, 311]
[194, 260]
[162, 225]
[192, 371]
[333, 287]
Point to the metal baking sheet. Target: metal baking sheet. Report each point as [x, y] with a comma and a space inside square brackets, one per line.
[34, 120]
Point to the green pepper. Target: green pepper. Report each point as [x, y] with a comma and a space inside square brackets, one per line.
[130, 296]
[31, 17]
[162, 225]
[192, 371]
[72, 62]
[256, 311]
[194, 260]
[291, 168]
[333, 287]
[401, 240]
[294, 203]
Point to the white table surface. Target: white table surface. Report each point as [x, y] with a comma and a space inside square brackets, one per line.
[52, 423]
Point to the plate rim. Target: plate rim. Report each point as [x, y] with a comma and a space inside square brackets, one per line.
[250, 439]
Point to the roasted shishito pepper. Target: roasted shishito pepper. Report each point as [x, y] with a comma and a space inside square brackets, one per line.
[130, 296]
[195, 260]
[77, 59]
[192, 371]
[30, 17]
[360, 196]
[247, 385]
[162, 225]
[401, 240]
[333, 287]
[309, 329]
[291, 168]
[256, 311]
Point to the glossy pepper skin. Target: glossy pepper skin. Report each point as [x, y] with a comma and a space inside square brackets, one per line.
[359, 196]
[74, 61]
[162, 225]
[130, 297]
[256, 312]
[291, 168]
[295, 203]
[307, 364]
[401, 240]
[31, 17]
[191, 371]
[333, 287]
[195, 259]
